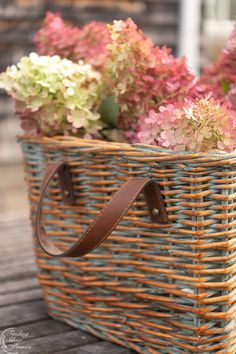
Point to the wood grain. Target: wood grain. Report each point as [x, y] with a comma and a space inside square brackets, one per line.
[22, 306]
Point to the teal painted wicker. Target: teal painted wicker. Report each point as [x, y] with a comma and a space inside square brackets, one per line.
[149, 287]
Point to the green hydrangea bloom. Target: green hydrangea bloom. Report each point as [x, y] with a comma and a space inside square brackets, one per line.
[55, 96]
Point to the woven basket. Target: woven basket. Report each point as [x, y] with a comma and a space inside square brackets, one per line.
[154, 288]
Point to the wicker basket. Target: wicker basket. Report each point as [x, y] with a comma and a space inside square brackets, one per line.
[151, 287]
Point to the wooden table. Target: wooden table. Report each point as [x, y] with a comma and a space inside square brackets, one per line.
[22, 306]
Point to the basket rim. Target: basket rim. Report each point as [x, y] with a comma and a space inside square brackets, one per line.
[137, 149]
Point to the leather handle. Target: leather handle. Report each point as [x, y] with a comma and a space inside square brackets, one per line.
[108, 218]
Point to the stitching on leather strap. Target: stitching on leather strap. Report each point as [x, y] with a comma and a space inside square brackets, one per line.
[124, 197]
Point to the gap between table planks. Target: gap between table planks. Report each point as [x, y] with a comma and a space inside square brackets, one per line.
[21, 303]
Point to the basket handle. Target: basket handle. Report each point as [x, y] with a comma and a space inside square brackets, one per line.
[108, 218]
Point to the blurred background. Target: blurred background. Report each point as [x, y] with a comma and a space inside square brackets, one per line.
[196, 28]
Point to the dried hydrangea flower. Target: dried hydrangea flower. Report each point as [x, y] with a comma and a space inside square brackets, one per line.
[194, 124]
[140, 75]
[55, 96]
[88, 43]
[219, 77]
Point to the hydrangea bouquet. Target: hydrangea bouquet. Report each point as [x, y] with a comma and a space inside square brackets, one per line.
[54, 95]
[111, 82]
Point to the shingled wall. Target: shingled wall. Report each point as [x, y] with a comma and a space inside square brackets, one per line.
[20, 19]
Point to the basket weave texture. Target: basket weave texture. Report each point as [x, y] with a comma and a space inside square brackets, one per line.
[152, 288]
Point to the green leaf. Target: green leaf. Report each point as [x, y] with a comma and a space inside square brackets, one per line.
[109, 111]
[225, 85]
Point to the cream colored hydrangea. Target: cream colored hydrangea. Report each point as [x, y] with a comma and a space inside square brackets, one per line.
[54, 95]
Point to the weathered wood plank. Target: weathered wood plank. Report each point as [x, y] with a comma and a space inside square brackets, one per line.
[20, 296]
[14, 231]
[12, 219]
[17, 260]
[45, 328]
[15, 315]
[54, 343]
[17, 285]
[17, 218]
[13, 234]
[11, 245]
[98, 348]
[18, 270]
[15, 250]
[27, 257]
[16, 228]
[22, 307]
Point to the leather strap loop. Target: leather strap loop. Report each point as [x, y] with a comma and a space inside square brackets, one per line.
[108, 218]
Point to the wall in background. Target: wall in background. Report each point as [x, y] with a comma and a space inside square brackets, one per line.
[20, 19]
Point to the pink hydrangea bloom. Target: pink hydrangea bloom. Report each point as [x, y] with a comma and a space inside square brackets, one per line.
[88, 43]
[56, 38]
[194, 124]
[92, 44]
[140, 75]
[219, 77]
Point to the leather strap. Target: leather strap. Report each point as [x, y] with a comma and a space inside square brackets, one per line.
[108, 218]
